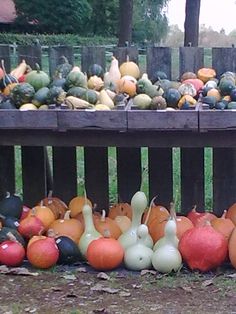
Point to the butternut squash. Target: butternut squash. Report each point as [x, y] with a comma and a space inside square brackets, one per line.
[19, 70]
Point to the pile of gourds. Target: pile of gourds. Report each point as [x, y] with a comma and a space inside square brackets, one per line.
[135, 236]
[122, 86]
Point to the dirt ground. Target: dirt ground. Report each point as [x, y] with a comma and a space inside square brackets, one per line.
[79, 289]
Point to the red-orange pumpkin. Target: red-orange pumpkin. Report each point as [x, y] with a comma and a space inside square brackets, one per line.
[44, 214]
[126, 86]
[157, 212]
[232, 248]
[57, 206]
[223, 225]
[105, 254]
[183, 224]
[106, 225]
[120, 209]
[231, 213]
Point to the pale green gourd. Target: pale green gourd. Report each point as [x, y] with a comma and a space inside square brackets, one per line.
[166, 256]
[138, 256]
[90, 233]
[138, 204]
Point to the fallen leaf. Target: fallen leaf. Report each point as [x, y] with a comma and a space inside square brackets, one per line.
[71, 295]
[187, 288]
[69, 277]
[81, 270]
[231, 275]
[207, 283]
[103, 276]
[16, 271]
[101, 288]
[147, 271]
[102, 310]
[135, 286]
[124, 294]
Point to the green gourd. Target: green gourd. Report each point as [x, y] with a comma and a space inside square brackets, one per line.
[37, 78]
[138, 204]
[90, 233]
[138, 256]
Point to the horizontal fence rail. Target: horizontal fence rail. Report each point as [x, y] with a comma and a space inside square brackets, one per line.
[117, 153]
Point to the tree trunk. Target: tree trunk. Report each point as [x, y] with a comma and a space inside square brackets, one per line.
[125, 22]
[191, 24]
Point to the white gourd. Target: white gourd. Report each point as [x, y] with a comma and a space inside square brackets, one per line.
[90, 233]
[166, 257]
[138, 204]
[138, 256]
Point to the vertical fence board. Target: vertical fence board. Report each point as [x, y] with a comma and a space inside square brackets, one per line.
[121, 54]
[159, 59]
[190, 59]
[192, 182]
[56, 52]
[31, 54]
[224, 161]
[92, 55]
[192, 179]
[224, 174]
[64, 173]
[5, 55]
[160, 160]
[160, 175]
[33, 174]
[223, 59]
[7, 170]
[129, 172]
[96, 176]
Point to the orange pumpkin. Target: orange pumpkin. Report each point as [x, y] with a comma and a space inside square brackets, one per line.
[129, 68]
[44, 214]
[157, 229]
[158, 212]
[183, 224]
[231, 213]
[215, 93]
[126, 86]
[120, 209]
[76, 205]
[69, 227]
[232, 248]
[36, 238]
[205, 74]
[105, 224]
[223, 225]
[105, 254]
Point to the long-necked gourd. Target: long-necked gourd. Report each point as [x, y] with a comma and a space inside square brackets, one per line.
[138, 256]
[166, 257]
[90, 233]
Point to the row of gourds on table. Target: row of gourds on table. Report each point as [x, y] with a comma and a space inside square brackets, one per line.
[121, 86]
[136, 236]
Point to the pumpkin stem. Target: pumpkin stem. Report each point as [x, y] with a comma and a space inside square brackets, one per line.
[8, 194]
[194, 209]
[11, 237]
[106, 233]
[67, 215]
[172, 211]
[50, 194]
[37, 67]
[224, 214]
[51, 233]
[127, 58]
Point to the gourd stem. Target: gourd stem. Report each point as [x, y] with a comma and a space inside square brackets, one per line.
[67, 215]
[150, 209]
[50, 194]
[142, 178]
[103, 216]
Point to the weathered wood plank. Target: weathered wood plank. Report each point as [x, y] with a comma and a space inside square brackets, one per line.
[223, 59]
[162, 120]
[190, 59]
[160, 170]
[64, 173]
[217, 120]
[6, 56]
[192, 179]
[159, 59]
[108, 120]
[121, 54]
[31, 54]
[92, 55]
[96, 176]
[129, 172]
[31, 119]
[7, 170]
[33, 174]
[55, 54]
[224, 178]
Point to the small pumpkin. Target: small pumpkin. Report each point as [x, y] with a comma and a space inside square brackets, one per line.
[68, 251]
[43, 213]
[12, 252]
[206, 74]
[95, 69]
[76, 205]
[63, 68]
[57, 206]
[186, 98]
[37, 78]
[105, 224]
[231, 213]
[95, 82]
[232, 248]
[126, 86]
[11, 205]
[120, 209]
[223, 225]
[130, 68]
[22, 93]
[105, 254]
[69, 227]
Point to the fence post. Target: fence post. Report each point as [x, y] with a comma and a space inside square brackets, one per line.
[55, 53]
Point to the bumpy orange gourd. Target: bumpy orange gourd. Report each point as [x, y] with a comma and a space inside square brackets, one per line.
[126, 86]
[44, 214]
[120, 209]
[158, 212]
[232, 248]
[69, 227]
[105, 224]
[205, 74]
[129, 68]
[57, 206]
[223, 225]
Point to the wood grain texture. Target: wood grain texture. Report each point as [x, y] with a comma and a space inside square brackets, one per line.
[92, 55]
[64, 173]
[7, 170]
[121, 54]
[190, 59]
[223, 59]
[217, 120]
[6, 56]
[159, 59]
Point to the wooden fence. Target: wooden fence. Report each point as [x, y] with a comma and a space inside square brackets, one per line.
[128, 131]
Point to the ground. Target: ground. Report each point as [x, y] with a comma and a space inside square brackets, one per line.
[79, 289]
